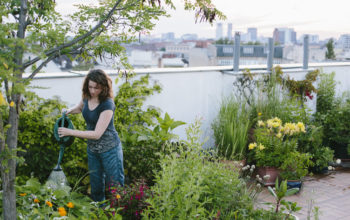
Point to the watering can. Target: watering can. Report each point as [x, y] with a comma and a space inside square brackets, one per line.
[57, 178]
[63, 121]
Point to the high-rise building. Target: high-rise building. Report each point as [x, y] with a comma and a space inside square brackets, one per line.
[344, 41]
[229, 31]
[219, 31]
[170, 36]
[252, 34]
[285, 35]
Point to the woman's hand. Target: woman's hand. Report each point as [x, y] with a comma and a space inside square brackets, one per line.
[65, 111]
[62, 132]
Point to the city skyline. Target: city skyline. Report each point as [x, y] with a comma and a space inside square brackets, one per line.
[305, 17]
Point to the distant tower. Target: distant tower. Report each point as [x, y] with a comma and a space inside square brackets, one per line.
[219, 31]
[229, 31]
[252, 34]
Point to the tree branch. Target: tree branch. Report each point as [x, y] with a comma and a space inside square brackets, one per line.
[74, 41]
[42, 65]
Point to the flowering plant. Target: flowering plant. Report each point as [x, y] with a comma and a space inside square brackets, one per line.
[37, 201]
[130, 198]
[275, 141]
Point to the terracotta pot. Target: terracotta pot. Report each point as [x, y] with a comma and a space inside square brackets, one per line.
[273, 172]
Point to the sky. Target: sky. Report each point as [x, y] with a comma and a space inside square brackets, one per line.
[324, 18]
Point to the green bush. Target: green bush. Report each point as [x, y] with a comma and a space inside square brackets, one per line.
[312, 142]
[333, 113]
[143, 132]
[35, 136]
[191, 187]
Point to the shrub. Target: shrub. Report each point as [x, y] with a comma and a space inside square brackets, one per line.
[36, 137]
[311, 142]
[143, 132]
[189, 187]
[333, 113]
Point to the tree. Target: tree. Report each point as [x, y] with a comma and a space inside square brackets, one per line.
[330, 49]
[33, 27]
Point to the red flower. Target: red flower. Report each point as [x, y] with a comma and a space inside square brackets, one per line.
[308, 94]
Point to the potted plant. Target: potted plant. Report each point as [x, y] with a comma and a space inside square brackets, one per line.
[294, 168]
[274, 144]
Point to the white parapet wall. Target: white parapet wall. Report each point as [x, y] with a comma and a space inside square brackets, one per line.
[187, 93]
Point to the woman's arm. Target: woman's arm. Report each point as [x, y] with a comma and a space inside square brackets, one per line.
[101, 126]
[76, 109]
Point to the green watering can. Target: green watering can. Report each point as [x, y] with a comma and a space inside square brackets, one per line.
[63, 121]
[57, 179]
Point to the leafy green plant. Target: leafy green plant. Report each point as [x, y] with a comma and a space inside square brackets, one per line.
[325, 93]
[312, 142]
[296, 166]
[37, 201]
[143, 132]
[279, 192]
[333, 114]
[189, 186]
[231, 128]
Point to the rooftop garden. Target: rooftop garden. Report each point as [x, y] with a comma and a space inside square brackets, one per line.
[266, 124]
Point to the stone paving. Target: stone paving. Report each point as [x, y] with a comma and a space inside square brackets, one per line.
[330, 192]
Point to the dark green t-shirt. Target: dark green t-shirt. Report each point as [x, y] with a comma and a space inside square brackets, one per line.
[110, 137]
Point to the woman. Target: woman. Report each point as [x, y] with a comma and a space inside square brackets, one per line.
[104, 149]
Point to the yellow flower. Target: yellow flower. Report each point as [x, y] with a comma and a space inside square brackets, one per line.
[301, 126]
[36, 200]
[70, 205]
[48, 203]
[259, 114]
[261, 147]
[62, 211]
[5, 65]
[252, 146]
[12, 104]
[2, 100]
[117, 196]
[279, 135]
[274, 122]
[261, 123]
[23, 194]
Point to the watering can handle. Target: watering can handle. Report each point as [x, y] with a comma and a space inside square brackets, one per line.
[64, 116]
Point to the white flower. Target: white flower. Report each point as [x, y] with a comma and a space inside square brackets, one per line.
[258, 185]
[330, 168]
[266, 177]
[338, 161]
[253, 166]
[257, 176]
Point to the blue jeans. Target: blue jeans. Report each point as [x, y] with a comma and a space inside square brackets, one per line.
[105, 168]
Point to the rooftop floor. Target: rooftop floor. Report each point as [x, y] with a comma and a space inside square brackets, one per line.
[330, 192]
